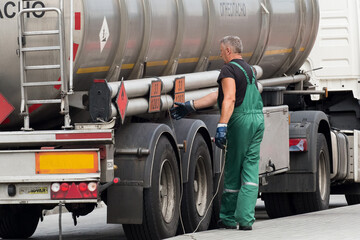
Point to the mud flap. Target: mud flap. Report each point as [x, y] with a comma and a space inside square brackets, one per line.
[121, 208]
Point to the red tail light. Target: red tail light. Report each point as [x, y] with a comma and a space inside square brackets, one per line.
[82, 187]
[80, 190]
[64, 187]
[298, 145]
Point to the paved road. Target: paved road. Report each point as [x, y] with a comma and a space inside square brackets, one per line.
[94, 227]
[90, 227]
[333, 224]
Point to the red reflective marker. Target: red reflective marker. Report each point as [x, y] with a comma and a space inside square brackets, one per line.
[5, 108]
[78, 21]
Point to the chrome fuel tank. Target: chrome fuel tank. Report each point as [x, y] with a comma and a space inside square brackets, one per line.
[152, 38]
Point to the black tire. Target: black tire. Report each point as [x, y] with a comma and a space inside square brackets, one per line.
[198, 191]
[19, 221]
[318, 200]
[278, 204]
[352, 199]
[161, 200]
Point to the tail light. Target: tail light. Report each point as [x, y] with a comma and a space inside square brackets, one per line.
[298, 145]
[81, 190]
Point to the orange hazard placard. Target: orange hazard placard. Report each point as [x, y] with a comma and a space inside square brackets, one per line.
[5, 108]
[122, 101]
[179, 90]
[155, 96]
[66, 162]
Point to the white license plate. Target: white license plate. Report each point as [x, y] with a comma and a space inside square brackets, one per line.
[33, 190]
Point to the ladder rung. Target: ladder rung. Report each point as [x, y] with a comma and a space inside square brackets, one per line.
[39, 84]
[47, 32]
[42, 67]
[46, 101]
[35, 49]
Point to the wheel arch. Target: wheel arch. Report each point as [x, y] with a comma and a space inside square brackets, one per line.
[324, 128]
[185, 132]
[161, 130]
[134, 169]
[313, 122]
[206, 135]
[140, 136]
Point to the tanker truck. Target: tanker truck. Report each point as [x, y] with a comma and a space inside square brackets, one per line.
[85, 92]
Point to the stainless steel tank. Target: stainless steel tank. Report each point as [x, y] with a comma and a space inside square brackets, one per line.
[153, 38]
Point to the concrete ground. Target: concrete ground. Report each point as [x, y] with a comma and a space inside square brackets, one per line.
[336, 223]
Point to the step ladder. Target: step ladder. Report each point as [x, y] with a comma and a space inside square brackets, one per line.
[63, 99]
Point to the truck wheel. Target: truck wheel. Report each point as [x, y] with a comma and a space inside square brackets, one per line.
[198, 191]
[162, 199]
[19, 221]
[318, 200]
[278, 204]
[352, 199]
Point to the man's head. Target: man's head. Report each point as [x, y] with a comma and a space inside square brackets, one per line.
[230, 47]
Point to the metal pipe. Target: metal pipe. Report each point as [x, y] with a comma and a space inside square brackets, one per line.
[284, 80]
[141, 105]
[258, 71]
[305, 92]
[141, 87]
[136, 89]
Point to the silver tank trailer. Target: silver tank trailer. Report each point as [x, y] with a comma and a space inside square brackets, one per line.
[153, 38]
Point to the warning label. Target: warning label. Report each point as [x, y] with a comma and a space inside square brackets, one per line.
[122, 101]
[155, 96]
[5, 108]
[179, 90]
[104, 34]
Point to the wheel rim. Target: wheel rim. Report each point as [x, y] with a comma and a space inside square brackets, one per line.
[200, 187]
[322, 175]
[167, 190]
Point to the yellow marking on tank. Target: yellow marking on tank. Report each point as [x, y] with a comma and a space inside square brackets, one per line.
[280, 51]
[157, 63]
[215, 58]
[93, 70]
[247, 54]
[188, 60]
[128, 66]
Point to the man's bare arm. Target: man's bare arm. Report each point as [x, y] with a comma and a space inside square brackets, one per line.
[227, 107]
[206, 101]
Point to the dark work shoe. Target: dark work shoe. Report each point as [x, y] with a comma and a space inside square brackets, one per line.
[220, 224]
[245, 228]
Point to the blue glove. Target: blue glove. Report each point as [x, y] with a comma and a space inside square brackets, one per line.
[182, 109]
[220, 137]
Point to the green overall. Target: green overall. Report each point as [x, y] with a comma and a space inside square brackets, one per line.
[244, 135]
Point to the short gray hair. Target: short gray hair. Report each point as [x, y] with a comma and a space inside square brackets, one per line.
[234, 42]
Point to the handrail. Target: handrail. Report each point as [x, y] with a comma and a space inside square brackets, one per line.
[71, 67]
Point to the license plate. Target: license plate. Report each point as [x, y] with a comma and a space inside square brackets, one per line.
[33, 190]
